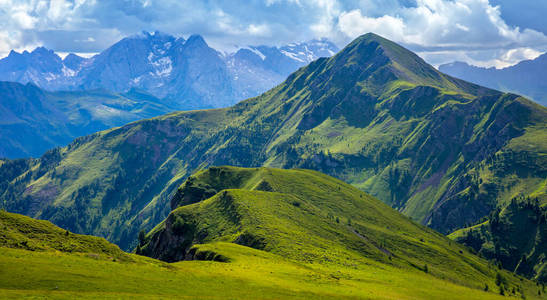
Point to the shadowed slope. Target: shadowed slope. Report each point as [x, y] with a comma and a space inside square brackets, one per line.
[514, 236]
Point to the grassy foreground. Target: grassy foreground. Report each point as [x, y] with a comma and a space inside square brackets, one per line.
[249, 274]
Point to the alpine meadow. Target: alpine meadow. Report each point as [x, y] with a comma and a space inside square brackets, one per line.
[140, 171]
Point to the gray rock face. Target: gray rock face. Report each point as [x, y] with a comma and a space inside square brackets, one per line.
[42, 67]
[254, 70]
[185, 74]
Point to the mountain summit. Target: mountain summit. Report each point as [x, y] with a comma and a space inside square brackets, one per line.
[378, 62]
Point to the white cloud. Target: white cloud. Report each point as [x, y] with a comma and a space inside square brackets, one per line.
[58, 10]
[82, 54]
[24, 21]
[259, 30]
[442, 23]
[325, 23]
[272, 2]
[482, 58]
[12, 41]
[510, 57]
[437, 25]
[353, 24]
[519, 54]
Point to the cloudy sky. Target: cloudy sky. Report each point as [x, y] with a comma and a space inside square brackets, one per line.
[482, 32]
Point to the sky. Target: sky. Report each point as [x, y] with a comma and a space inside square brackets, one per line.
[486, 33]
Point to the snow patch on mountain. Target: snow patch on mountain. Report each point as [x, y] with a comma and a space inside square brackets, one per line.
[292, 55]
[163, 67]
[68, 72]
[257, 52]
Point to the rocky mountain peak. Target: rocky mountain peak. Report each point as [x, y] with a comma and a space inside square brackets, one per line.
[197, 41]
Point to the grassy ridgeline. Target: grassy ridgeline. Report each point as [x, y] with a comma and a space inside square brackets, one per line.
[311, 219]
[21, 232]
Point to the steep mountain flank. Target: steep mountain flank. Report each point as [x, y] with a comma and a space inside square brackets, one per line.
[514, 236]
[442, 151]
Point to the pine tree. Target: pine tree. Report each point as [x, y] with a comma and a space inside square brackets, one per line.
[142, 236]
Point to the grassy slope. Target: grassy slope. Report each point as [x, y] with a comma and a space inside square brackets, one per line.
[250, 274]
[310, 218]
[442, 151]
[22, 232]
[84, 267]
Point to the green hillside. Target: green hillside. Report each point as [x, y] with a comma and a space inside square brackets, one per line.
[309, 218]
[440, 150]
[292, 215]
[514, 236]
[22, 232]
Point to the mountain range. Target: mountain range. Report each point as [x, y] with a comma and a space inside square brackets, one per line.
[525, 78]
[442, 151]
[184, 73]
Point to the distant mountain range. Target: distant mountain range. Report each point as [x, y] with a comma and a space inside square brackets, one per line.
[525, 78]
[184, 73]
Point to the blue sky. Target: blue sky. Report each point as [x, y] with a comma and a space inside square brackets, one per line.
[482, 32]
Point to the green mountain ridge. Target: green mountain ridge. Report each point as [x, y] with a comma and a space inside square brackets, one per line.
[302, 215]
[442, 151]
